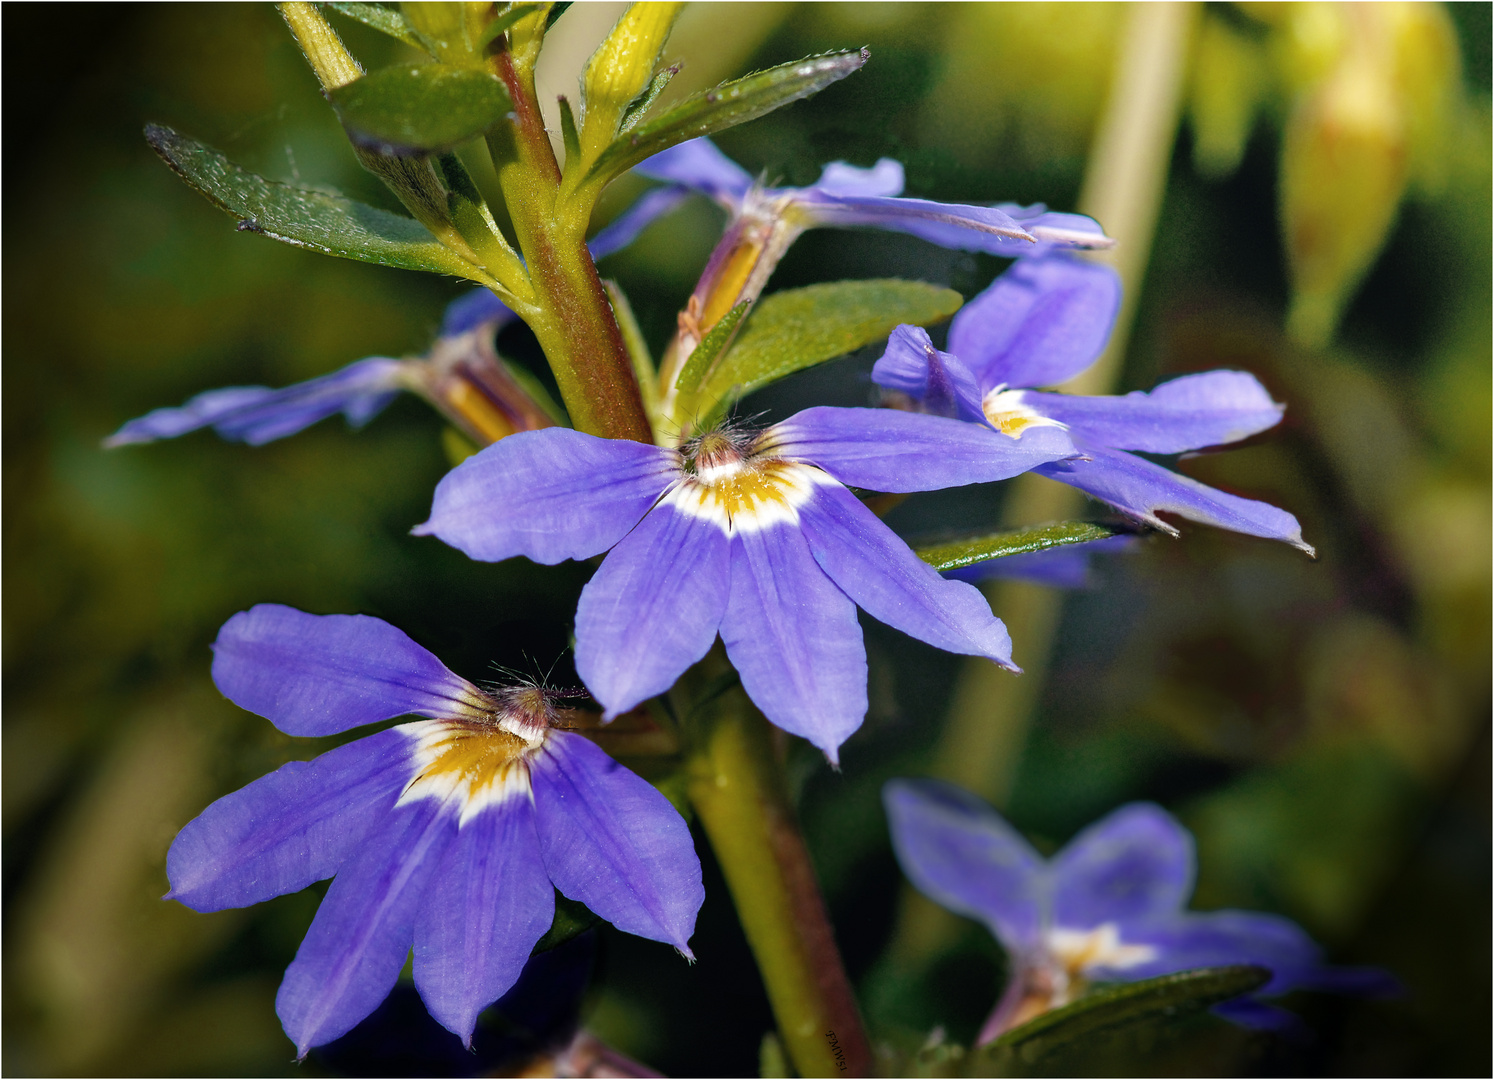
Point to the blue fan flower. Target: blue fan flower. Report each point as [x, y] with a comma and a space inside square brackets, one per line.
[754, 536]
[445, 834]
[1109, 906]
[1042, 322]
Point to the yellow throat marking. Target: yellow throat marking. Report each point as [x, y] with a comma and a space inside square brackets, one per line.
[1009, 415]
[742, 493]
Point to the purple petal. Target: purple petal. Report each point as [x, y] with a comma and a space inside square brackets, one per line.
[295, 826]
[1194, 940]
[357, 944]
[1058, 229]
[889, 450]
[938, 381]
[876, 569]
[257, 414]
[611, 841]
[1208, 409]
[1064, 567]
[471, 310]
[1041, 322]
[962, 855]
[1135, 864]
[699, 166]
[1250, 937]
[1259, 1015]
[884, 178]
[1141, 489]
[794, 638]
[624, 229]
[551, 495]
[652, 609]
[950, 225]
[488, 903]
[321, 674]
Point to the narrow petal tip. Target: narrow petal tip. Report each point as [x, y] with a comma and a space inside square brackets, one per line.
[684, 951]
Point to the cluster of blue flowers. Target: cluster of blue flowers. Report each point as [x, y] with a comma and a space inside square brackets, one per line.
[446, 835]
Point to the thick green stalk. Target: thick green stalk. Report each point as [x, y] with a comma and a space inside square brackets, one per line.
[736, 787]
[576, 328]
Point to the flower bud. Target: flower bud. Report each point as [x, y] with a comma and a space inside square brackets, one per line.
[621, 69]
[1229, 82]
[1343, 170]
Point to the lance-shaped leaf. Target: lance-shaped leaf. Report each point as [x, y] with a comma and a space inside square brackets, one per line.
[312, 219]
[725, 106]
[710, 347]
[419, 108]
[967, 551]
[385, 20]
[1110, 1008]
[798, 328]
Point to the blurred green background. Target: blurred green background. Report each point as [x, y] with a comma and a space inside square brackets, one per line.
[1323, 727]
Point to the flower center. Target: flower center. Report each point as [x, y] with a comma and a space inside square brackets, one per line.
[1079, 951]
[472, 764]
[739, 491]
[1005, 410]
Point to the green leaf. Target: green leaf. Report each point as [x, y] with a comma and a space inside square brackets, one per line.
[1110, 1007]
[633, 340]
[572, 918]
[419, 108]
[647, 98]
[725, 106]
[385, 20]
[507, 19]
[798, 328]
[569, 137]
[313, 219]
[954, 554]
[711, 347]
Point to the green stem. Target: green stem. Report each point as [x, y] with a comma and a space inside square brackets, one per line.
[736, 786]
[576, 328]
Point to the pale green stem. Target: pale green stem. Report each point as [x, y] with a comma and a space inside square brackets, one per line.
[1124, 183]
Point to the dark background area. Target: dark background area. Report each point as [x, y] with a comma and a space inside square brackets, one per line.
[1321, 726]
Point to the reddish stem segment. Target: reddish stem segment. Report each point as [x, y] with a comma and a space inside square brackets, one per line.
[578, 331]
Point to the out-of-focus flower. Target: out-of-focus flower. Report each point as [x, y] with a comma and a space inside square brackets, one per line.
[1377, 91]
[462, 376]
[444, 834]
[1044, 321]
[754, 535]
[1109, 906]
